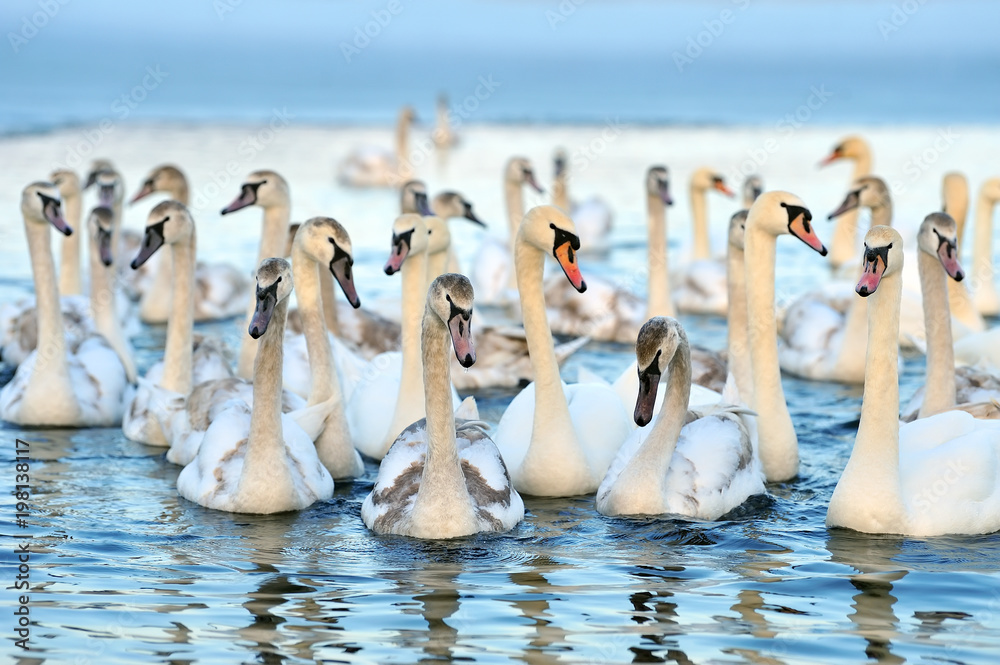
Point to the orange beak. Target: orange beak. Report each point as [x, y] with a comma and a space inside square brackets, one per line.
[721, 186]
[829, 159]
[804, 231]
[567, 260]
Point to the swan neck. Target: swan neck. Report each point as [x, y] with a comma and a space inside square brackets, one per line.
[514, 199]
[778, 443]
[982, 248]
[560, 193]
[939, 390]
[699, 217]
[411, 384]
[328, 294]
[402, 140]
[274, 232]
[321, 362]
[737, 336]
[70, 279]
[265, 444]
[882, 215]
[658, 448]
[442, 448]
[51, 336]
[177, 356]
[659, 303]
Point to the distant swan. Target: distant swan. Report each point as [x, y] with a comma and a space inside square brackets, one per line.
[593, 217]
[442, 478]
[373, 166]
[700, 284]
[843, 246]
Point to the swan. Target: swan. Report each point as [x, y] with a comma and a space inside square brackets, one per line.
[444, 136]
[593, 217]
[393, 381]
[269, 191]
[955, 202]
[256, 460]
[700, 285]
[700, 468]
[70, 276]
[62, 385]
[557, 440]
[934, 476]
[945, 387]
[373, 166]
[493, 272]
[186, 362]
[100, 227]
[753, 186]
[772, 214]
[220, 288]
[442, 478]
[843, 246]
[984, 294]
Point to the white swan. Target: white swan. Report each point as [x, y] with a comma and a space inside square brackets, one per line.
[269, 191]
[772, 214]
[930, 477]
[255, 460]
[955, 202]
[946, 389]
[984, 290]
[221, 288]
[393, 381]
[701, 468]
[373, 166]
[843, 245]
[442, 478]
[493, 272]
[444, 136]
[557, 440]
[81, 386]
[593, 217]
[700, 284]
[186, 362]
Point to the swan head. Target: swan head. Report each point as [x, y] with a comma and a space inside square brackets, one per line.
[452, 204]
[169, 223]
[409, 236]
[164, 178]
[737, 229]
[262, 188]
[780, 212]
[559, 162]
[413, 198]
[551, 230]
[325, 241]
[96, 167]
[438, 235]
[110, 188]
[852, 147]
[658, 184]
[883, 256]
[705, 178]
[100, 224]
[450, 297]
[867, 192]
[990, 190]
[41, 203]
[274, 284]
[658, 342]
[520, 172]
[753, 187]
[67, 181]
[938, 236]
[407, 114]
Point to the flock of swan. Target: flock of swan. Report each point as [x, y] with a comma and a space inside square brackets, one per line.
[318, 388]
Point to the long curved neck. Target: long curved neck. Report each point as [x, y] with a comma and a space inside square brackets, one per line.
[956, 204]
[321, 363]
[939, 390]
[738, 342]
[437, 265]
[659, 303]
[51, 355]
[70, 280]
[177, 356]
[842, 244]
[982, 248]
[699, 218]
[265, 453]
[552, 427]
[180, 193]
[850, 360]
[778, 444]
[274, 235]
[442, 465]
[402, 140]
[514, 200]
[328, 293]
[658, 448]
[560, 194]
[882, 214]
[409, 406]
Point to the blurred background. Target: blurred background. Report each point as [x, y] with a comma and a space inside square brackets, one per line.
[554, 61]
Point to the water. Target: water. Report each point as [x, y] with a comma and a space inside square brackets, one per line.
[124, 571]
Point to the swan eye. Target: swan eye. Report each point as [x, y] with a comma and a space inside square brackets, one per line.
[278, 280]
